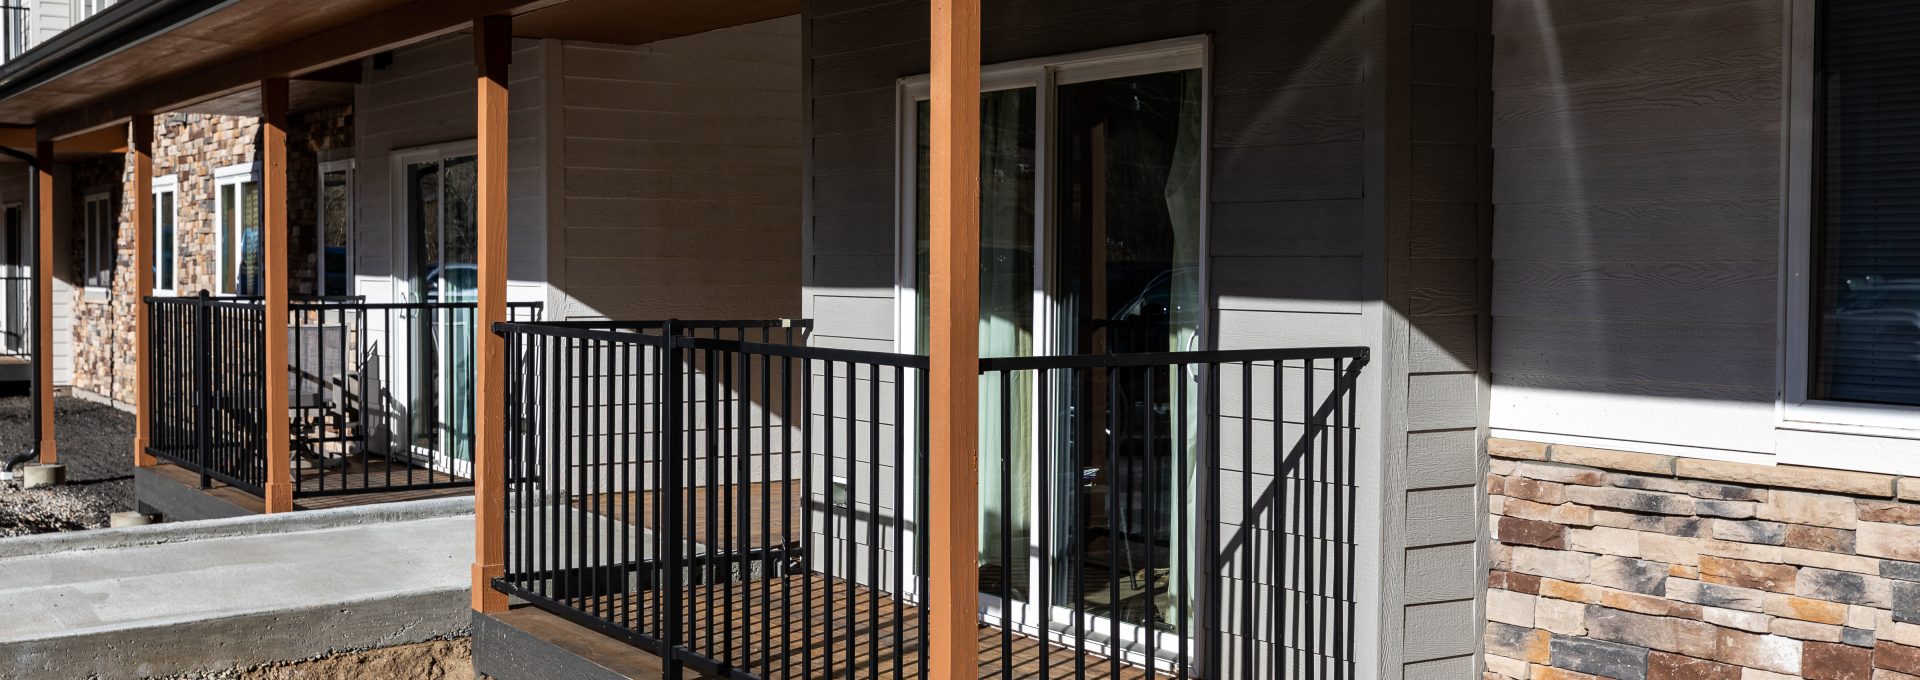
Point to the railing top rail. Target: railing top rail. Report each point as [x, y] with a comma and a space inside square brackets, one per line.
[1232, 356]
[216, 303]
[918, 361]
[694, 324]
[310, 305]
[578, 333]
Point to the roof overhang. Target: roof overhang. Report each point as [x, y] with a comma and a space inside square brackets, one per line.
[209, 55]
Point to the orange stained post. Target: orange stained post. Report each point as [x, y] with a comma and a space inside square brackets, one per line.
[273, 285]
[492, 43]
[43, 298]
[140, 145]
[953, 329]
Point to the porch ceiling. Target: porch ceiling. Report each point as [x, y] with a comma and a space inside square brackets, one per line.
[204, 55]
[643, 21]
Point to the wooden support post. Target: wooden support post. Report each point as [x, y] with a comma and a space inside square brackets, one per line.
[273, 287]
[43, 300]
[493, 45]
[954, 334]
[140, 143]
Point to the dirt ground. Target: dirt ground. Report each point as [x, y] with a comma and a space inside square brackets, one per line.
[432, 660]
[96, 444]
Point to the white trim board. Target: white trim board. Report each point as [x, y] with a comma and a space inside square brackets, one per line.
[1636, 446]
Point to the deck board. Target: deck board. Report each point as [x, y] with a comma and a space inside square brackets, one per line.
[631, 506]
[733, 623]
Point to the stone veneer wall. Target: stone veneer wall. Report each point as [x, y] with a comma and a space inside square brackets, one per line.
[1626, 565]
[191, 147]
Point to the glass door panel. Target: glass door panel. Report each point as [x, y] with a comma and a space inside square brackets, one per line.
[443, 252]
[1008, 160]
[1127, 275]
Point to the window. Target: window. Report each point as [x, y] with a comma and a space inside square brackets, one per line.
[88, 8]
[166, 238]
[237, 209]
[335, 271]
[1852, 269]
[101, 228]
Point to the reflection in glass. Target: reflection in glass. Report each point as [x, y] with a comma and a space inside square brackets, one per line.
[334, 204]
[1866, 283]
[240, 232]
[443, 246]
[1128, 264]
[1007, 186]
[163, 238]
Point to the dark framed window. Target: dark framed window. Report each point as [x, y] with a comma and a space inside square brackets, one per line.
[1864, 288]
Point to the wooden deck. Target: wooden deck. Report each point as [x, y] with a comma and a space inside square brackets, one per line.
[868, 635]
[247, 500]
[637, 507]
[370, 484]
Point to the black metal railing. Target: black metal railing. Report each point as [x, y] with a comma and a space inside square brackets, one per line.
[205, 359]
[743, 505]
[379, 394]
[15, 24]
[1201, 516]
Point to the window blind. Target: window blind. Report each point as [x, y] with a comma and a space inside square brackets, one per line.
[1865, 342]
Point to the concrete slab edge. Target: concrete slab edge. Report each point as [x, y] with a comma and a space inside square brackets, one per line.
[305, 520]
[504, 652]
[242, 641]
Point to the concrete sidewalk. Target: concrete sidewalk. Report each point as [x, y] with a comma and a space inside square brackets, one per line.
[179, 598]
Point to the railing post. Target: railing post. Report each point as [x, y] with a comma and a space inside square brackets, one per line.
[140, 132]
[203, 382]
[672, 458]
[954, 349]
[278, 487]
[493, 50]
[43, 301]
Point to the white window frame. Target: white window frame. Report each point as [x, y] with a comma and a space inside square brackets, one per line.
[1808, 431]
[320, 223]
[95, 247]
[1044, 75]
[169, 184]
[222, 179]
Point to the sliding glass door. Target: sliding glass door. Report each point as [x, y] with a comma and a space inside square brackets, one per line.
[1091, 241]
[442, 252]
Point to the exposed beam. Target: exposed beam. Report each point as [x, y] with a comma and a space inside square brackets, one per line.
[493, 49]
[43, 299]
[109, 140]
[954, 338]
[273, 258]
[140, 138]
[378, 32]
[18, 137]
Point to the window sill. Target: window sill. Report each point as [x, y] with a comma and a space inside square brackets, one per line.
[95, 295]
[1848, 447]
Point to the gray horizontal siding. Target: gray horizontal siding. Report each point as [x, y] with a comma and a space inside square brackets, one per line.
[1638, 179]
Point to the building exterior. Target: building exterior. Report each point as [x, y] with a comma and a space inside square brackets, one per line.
[1538, 339]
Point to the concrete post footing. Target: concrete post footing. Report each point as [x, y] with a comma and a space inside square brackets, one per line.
[36, 476]
[129, 519]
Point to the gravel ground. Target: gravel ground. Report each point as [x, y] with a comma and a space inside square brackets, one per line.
[431, 660]
[96, 445]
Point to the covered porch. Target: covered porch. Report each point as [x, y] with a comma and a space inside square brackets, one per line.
[756, 498]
